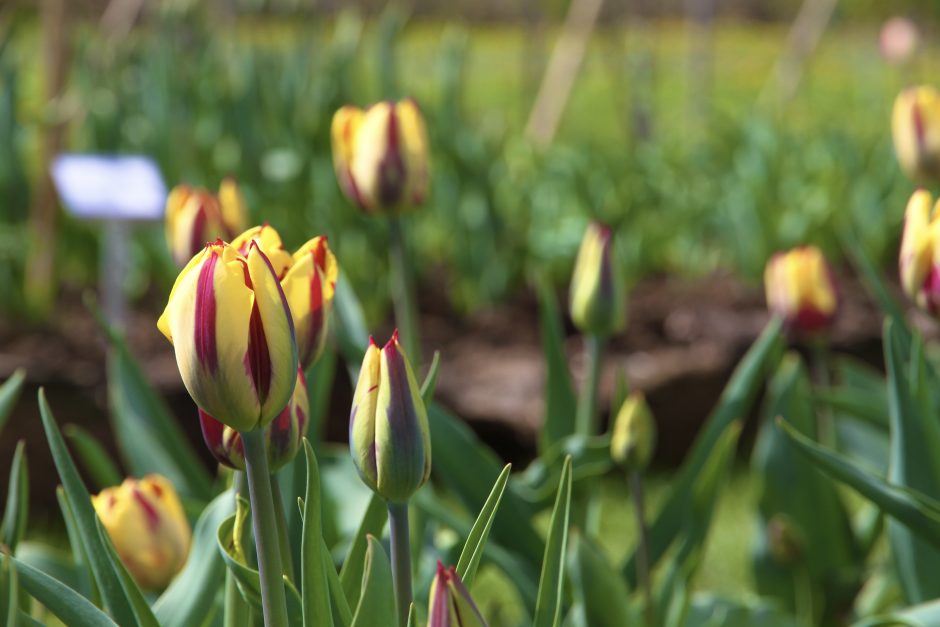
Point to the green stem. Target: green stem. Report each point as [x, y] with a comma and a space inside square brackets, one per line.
[642, 551]
[825, 424]
[264, 523]
[401, 558]
[403, 297]
[283, 537]
[586, 419]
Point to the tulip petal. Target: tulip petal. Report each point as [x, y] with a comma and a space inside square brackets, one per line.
[309, 286]
[343, 130]
[362, 417]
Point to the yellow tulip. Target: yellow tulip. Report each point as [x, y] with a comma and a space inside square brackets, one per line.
[233, 335]
[309, 285]
[146, 524]
[915, 125]
[920, 277]
[596, 296]
[381, 155]
[633, 435]
[800, 288]
[234, 210]
[193, 217]
[267, 237]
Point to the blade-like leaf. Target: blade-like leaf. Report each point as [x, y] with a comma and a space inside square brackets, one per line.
[872, 280]
[373, 522]
[93, 456]
[560, 402]
[377, 603]
[69, 606]
[135, 597]
[16, 511]
[430, 381]
[551, 581]
[342, 614]
[473, 547]
[598, 588]
[85, 579]
[590, 458]
[9, 394]
[85, 520]
[315, 585]
[9, 593]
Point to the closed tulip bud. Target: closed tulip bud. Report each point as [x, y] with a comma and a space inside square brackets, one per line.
[381, 155]
[915, 125]
[233, 335]
[269, 240]
[234, 209]
[450, 603]
[388, 426]
[282, 437]
[800, 289]
[309, 286]
[146, 524]
[596, 298]
[920, 276]
[193, 217]
[634, 434]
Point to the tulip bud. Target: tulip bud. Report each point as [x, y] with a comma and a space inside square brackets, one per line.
[450, 603]
[233, 335]
[146, 524]
[234, 210]
[915, 125]
[920, 276]
[381, 155]
[596, 297]
[282, 436]
[800, 288]
[634, 434]
[193, 217]
[309, 286]
[388, 426]
[269, 240]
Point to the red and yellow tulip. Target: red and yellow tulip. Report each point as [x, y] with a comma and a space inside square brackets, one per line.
[596, 295]
[450, 603]
[800, 288]
[194, 216]
[915, 126]
[918, 261]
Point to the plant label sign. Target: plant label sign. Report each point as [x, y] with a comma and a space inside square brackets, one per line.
[110, 187]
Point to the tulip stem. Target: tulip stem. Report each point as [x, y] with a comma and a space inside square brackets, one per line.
[264, 523]
[403, 295]
[586, 420]
[401, 558]
[642, 549]
[283, 538]
[825, 427]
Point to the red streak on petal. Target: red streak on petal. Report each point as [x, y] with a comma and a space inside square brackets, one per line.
[392, 167]
[920, 132]
[258, 357]
[150, 512]
[204, 328]
[112, 501]
[197, 236]
[315, 318]
[157, 490]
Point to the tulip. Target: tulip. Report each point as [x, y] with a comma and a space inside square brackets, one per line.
[381, 155]
[596, 298]
[193, 217]
[233, 335]
[634, 434]
[309, 286]
[920, 276]
[269, 240]
[145, 521]
[915, 124]
[282, 437]
[388, 426]
[450, 603]
[234, 209]
[800, 288]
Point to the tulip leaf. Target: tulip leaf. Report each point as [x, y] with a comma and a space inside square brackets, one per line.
[79, 501]
[590, 457]
[135, 597]
[248, 579]
[69, 606]
[917, 511]
[707, 610]
[872, 280]
[551, 581]
[351, 329]
[342, 615]
[84, 578]
[9, 592]
[184, 602]
[412, 616]
[737, 397]
[430, 381]
[473, 547]
[315, 584]
[377, 602]
[923, 615]
[16, 511]
[147, 433]
[560, 402]
[600, 594]
[373, 523]
[93, 456]
[56, 563]
[9, 394]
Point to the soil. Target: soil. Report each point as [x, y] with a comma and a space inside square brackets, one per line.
[680, 346]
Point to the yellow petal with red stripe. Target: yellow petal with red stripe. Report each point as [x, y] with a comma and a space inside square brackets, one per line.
[309, 286]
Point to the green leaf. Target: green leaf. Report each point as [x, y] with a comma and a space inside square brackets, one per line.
[16, 511]
[914, 464]
[69, 606]
[551, 581]
[93, 456]
[599, 591]
[590, 458]
[737, 397]
[9, 592]
[373, 522]
[320, 379]
[473, 547]
[147, 433]
[430, 381]
[708, 609]
[561, 402]
[315, 585]
[918, 512]
[85, 520]
[377, 603]
[351, 329]
[85, 578]
[872, 280]
[135, 597]
[342, 615]
[9, 394]
[184, 603]
[412, 616]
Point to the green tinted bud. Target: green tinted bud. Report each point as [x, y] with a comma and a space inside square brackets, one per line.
[634, 434]
[450, 604]
[596, 298]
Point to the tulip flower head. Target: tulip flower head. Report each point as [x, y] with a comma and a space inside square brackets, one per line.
[309, 286]
[800, 288]
[919, 262]
[193, 217]
[634, 434]
[381, 155]
[269, 240]
[596, 299]
[915, 126]
[234, 209]
[145, 521]
[233, 335]
[388, 426]
[450, 604]
[282, 436]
